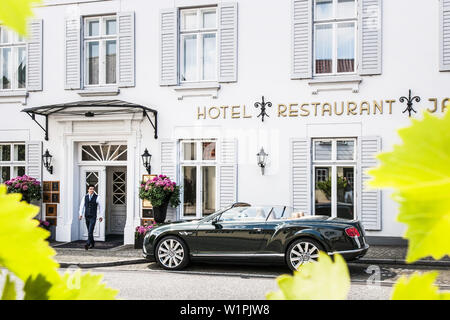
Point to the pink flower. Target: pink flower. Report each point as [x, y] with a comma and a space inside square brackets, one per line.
[25, 188]
[17, 186]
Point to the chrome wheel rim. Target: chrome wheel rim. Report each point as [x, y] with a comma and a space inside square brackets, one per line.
[170, 253]
[303, 252]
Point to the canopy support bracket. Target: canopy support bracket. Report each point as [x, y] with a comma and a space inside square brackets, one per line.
[154, 125]
[33, 117]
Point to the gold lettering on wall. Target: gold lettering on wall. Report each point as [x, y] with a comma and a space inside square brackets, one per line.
[378, 107]
[435, 105]
[351, 107]
[365, 106]
[341, 112]
[245, 115]
[282, 110]
[390, 102]
[201, 114]
[235, 114]
[306, 111]
[445, 104]
[293, 112]
[326, 107]
[217, 115]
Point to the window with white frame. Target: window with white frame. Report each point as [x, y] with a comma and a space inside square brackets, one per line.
[13, 60]
[198, 44]
[334, 171]
[198, 176]
[100, 50]
[12, 160]
[335, 34]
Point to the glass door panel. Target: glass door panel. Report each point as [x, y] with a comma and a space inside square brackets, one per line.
[323, 191]
[189, 190]
[345, 192]
[209, 190]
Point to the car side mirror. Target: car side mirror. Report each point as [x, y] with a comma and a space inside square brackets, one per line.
[216, 223]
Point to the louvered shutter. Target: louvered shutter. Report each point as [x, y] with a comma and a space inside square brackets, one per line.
[370, 204]
[228, 42]
[169, 168]
[72, 53]
[34, 159]
[445, 35]
[301, 42]
[300, 174]
[370, 36]
[126, 49]
[169, 47]
[34, 56]
[228, 172]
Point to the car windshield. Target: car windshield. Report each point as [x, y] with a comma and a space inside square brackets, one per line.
[248, 213]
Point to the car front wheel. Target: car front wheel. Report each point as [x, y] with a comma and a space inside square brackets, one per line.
[172, 253]
[302, 251]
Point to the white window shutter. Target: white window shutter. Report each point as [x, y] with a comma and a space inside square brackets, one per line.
[34, 55]
[169, 47]
[370, 37]
[126, 49]
[444, 35]
[72, 49]
[228, 41]
[228, 173]
[301, 175]
[301, 39]
[34, 159]
[370, 200]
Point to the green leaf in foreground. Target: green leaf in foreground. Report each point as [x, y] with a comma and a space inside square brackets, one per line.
[418, 287]
[419, 172]
[36, 288]
[14, 14]
[323, 280]
[9, 289]
[24, 250]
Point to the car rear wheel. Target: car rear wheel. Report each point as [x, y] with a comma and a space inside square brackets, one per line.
[302, 251]
[172, 253]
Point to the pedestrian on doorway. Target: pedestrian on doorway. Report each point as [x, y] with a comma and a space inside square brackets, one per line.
[90, 208]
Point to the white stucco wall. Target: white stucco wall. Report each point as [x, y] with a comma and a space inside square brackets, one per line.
[410, 61]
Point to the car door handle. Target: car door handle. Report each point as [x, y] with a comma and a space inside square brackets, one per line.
[257, 229]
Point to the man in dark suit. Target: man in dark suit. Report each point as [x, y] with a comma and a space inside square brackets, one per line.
[89, 208]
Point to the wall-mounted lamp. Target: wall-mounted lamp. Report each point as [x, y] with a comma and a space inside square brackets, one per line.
[146, 159]
[261, 157]
[47, 160]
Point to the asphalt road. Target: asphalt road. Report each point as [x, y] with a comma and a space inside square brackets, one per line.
[232, 282]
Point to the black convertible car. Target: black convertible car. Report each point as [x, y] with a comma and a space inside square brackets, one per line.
[245, 233]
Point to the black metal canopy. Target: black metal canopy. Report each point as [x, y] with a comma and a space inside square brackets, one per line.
[91, 109]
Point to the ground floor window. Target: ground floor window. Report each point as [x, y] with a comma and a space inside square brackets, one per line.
[198, 172]
[334, 171]
[12, 160]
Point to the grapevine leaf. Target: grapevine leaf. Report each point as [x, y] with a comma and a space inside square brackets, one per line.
[14, 14]
[419, 172]
[322, 280]
[418, 287]
[36, 288]
[24, 250]
[75, 286]
[9, 289]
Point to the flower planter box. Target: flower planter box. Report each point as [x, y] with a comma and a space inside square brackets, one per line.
[138, 241]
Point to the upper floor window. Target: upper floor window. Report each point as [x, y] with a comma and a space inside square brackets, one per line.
[100, 48]
[198, 45]
[335, 34]
[13, 60]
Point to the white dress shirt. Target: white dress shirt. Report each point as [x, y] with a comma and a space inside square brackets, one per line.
[99, 211]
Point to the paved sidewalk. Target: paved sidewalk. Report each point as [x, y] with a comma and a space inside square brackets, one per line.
[126, 255]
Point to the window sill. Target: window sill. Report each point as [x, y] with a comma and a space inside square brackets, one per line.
[335, 83]
[198, 89]
[12, 96]
[99, 91]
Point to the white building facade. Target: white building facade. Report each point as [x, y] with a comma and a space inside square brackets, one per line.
[204, 85]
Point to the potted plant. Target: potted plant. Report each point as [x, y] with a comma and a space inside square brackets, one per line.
[47, 226]
[161, 192]
[29, 187]
[139, 235]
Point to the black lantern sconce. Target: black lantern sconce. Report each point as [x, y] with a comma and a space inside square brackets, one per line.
[47, 160]
[262, 157]
[146, 159]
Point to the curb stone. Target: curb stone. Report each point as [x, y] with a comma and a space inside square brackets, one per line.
[103, 264]
[403, 262]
